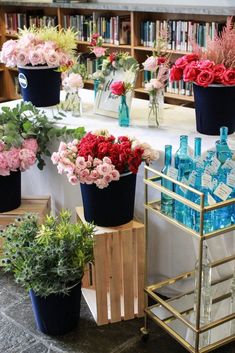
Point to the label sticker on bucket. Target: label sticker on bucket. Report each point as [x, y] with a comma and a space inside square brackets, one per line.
[23, 80]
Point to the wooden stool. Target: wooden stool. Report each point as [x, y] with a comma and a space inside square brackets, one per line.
[34, 204]
[114, 286]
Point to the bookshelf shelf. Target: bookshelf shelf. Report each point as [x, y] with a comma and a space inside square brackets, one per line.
[128, 14]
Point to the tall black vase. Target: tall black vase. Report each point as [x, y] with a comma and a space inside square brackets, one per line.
[10, 191]
[214, 107]
[57, 314]
[111, 206]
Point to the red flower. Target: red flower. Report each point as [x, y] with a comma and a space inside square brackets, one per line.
[117, 88]
[191, 57]
[219, 71]
[205, 64]
[190, 72]
[112, 57]
[161, 60]
[180, 63]
[176, 74]
[205, 78]
[228, 78]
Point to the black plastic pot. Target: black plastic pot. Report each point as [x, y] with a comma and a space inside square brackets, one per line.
[10, 191]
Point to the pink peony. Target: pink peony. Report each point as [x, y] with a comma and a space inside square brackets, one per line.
[99, 51]
[151, 64]
[13, 158]
[30, 144]
[27, 158]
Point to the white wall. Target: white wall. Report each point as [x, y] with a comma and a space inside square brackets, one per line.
[221, 3]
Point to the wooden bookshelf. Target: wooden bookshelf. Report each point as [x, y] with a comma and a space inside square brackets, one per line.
[136, 13]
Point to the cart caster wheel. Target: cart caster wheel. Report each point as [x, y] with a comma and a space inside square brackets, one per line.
[144, 334]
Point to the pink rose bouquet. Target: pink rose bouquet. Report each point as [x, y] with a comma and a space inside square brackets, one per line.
[215, 65]
[40, 46]
[99, 158]
[97, 45]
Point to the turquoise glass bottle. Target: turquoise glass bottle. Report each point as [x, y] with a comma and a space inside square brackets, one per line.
[96, 86]
[123, 113]
[180, 209]
[182, 157]
[223, 151]
[167, 203]
[197, 149]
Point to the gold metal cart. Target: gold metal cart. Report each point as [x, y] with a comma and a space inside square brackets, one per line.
[175, 314]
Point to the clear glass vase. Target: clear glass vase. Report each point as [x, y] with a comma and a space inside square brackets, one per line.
[96, 86]
[75, 103]
[123, 113]
[155, 109]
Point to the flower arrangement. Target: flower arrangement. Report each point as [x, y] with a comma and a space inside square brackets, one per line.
[40, 46]
[117, 60]
[97, 45]
[24, 136]
[72, 82]
[215, 65]
[120, 88]
[99, 158]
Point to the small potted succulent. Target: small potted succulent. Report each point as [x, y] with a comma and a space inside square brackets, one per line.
[48, 261]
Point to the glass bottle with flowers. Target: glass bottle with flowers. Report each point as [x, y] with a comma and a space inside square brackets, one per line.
[158, 66]
[71, 84]
[96, 47]
[120, 88]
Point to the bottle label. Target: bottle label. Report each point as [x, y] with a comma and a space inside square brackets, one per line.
[210, 199]
[231, 180]
[172, 172]
[186, 182]
[206, 180]
[228, 164]
[223, 191]
[200, 162]
[192, 178]
[215, 164]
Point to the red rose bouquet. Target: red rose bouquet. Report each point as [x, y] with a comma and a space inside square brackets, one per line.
[120, 88]
[215, 65]
[100, 158]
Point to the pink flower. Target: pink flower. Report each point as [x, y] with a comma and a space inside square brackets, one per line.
[84, 173]
[22, 58]
[36, 57]
[107, 160]
[80, 163]
[104, 169]
[94, 174]
[13, 158]
[205, 78]
[115, 174]
[101, 183]
[4, 167]
[99, 51]
[228, 78]
[73, 81]
[31, 144]
[205, 64]
[8, 53]
[52, 58]
[55, 157]
[73, 179]
[219, 71]
[151, 64]
[62, 146]
[156, 83]
[27, 158]
[97, 161]
[180, 63]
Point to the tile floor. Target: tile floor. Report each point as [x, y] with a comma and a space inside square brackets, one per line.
[18, 333]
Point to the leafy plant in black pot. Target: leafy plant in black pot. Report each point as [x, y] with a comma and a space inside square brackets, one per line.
[48, 261]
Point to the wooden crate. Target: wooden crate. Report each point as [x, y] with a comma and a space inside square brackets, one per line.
[36, 204]
[114, 286]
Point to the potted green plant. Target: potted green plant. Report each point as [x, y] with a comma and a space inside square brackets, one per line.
[25, 133]
[48, 260]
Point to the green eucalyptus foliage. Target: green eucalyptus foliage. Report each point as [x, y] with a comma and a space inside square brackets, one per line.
[48, 258]
[26, 121]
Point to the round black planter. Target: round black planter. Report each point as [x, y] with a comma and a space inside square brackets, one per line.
[111, 206]
[57, 314]
[214, 107]
[40, 85]
[10, 191]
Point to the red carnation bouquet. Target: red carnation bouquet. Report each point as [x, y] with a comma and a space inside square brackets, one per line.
[215, 65]
[100, 158]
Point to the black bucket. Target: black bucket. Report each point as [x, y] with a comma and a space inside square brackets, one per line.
[57, 314]
[10, 191]
[214, 107]
[40, 85]
[111, 206]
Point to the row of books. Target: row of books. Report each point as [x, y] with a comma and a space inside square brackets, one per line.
[179, 33]
[14, 21]
[114, 29]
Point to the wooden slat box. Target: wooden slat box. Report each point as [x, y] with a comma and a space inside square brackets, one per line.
[36, 204]
[114, 286]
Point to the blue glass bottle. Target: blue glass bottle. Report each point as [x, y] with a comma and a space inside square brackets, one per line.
[96, 86]
[123, 113]
[180, 209]
[223, 151]
[167, 203]
[182, 157]
[197, 150]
